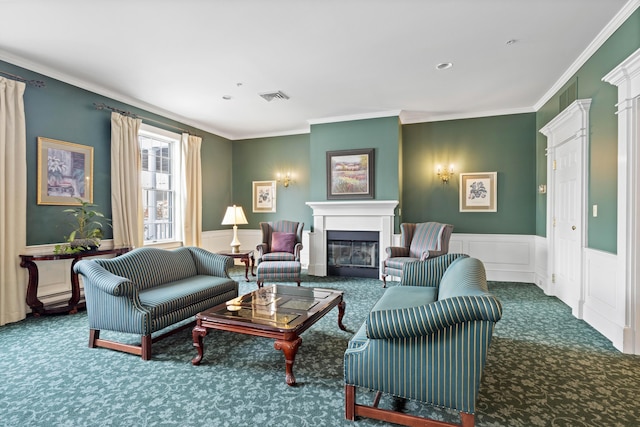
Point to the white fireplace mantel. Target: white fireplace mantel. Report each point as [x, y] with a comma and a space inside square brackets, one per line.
[352, 215]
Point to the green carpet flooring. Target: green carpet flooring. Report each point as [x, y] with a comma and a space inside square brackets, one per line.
[545, 368]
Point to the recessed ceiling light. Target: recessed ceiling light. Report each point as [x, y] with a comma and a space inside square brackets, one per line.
[444, 65]
[512, 41]
[226, 97]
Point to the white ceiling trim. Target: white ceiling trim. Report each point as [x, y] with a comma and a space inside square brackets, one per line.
[74, 81]
[602, 37]
[408, 117]
[353, 117]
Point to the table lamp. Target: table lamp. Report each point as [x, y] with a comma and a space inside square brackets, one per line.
[234, 216]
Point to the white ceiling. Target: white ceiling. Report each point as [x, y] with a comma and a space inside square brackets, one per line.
[335, 59]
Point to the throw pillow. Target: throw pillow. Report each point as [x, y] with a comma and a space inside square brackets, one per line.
[283, 242]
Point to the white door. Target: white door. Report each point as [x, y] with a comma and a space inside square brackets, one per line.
[567, 224]
[567, 142]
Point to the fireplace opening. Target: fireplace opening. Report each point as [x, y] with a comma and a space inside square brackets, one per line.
[353, 253]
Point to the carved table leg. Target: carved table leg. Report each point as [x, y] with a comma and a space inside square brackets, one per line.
[32, 289]
[341, 307]
[245, 260]
[253, 264]
[198, 334]
[289, 348]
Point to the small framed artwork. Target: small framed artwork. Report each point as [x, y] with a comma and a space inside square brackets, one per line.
[264, 196]
[479, 192]
[65, 172]
[350, 174]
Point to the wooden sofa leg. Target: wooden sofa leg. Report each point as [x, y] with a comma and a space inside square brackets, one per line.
[94, 334]
[350, 402]
[384, 280]
[467, 420]
[146, 347]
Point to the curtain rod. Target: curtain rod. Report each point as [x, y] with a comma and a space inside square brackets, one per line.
[35, 83]
[101, 106]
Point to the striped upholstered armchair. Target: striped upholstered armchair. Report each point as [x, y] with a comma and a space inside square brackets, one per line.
[425, 340]
[281, 241]
[419, 241]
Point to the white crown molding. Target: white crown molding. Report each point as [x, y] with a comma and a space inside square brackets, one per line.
[272, 134]
[91, 87]
[352, 117]
[409, 117]
[606, 32]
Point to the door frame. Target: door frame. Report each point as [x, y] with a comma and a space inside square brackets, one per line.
[626, 76]
[570, 124]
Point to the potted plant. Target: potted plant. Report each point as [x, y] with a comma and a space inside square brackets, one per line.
[88, 225]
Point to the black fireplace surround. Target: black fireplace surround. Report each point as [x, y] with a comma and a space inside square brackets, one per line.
[353, 253]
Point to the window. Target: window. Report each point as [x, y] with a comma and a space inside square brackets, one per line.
[160, 184]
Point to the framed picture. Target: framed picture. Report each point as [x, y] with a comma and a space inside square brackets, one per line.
[264, 196]
[479, 192]
[350, 174]
[65, 172]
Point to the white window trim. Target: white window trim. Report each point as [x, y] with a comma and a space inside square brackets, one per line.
[175, 138]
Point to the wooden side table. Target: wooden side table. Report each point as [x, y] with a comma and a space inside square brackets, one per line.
[71, 307]
[243, 256]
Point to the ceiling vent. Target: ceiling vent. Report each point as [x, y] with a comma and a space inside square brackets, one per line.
[270, 96]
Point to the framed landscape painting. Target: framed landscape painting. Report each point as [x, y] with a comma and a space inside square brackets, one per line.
[264, 196]
[350, 174]
[65, 172]
[479, 192]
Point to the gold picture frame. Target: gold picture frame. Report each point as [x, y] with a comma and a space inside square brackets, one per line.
[264, 196]
[65, 172]
[479, 192]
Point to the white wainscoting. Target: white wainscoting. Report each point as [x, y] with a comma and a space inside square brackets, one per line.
[506, 257]
[604, 302]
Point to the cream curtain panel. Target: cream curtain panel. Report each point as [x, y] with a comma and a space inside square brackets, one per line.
[126, 190]
[192, 191]
[13, 201]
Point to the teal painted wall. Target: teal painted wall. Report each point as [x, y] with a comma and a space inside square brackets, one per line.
[65, 112]
[603, 135]
[260, 160]
[505, 144]
[382, 134]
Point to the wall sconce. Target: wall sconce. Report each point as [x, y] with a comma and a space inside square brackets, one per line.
[285, 180]
[444, 174]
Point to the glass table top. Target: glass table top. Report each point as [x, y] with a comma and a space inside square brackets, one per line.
[280, 306]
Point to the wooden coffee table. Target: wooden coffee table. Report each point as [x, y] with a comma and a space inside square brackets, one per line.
[280, 312]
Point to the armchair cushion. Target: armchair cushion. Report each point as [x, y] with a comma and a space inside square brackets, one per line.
[283, 242]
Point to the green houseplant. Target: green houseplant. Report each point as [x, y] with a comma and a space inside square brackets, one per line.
[87, 229]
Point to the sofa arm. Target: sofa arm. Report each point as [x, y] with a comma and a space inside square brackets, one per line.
[104, 280]
[397, 251]
[430, 318]
[427, 272]
[211, 264]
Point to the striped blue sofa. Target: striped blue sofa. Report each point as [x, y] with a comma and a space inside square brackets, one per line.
[425, 340]
[149, 289]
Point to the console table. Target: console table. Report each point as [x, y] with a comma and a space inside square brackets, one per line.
[71, 307]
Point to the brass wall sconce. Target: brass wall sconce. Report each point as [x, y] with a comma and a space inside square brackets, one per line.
[285, 179]
[444, 174]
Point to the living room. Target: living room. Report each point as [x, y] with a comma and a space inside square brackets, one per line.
[512, 242]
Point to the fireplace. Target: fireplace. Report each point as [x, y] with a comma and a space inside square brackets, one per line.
[352, 253]
[375, 216]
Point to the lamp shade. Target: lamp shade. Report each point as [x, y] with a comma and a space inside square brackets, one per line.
[234, 216]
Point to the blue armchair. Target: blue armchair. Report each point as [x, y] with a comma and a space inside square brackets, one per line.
[425, 340]
[419, 241]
